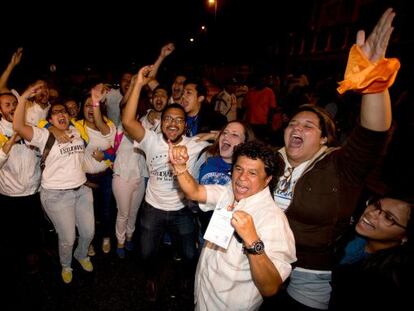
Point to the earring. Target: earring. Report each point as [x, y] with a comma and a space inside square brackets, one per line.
[404, 240]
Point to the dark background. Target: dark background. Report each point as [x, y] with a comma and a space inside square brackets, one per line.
[84, 36]
[74, 34]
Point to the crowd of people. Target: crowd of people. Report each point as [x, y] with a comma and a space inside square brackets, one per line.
[260, 200]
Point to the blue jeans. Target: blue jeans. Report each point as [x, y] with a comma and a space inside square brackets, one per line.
[68, 209]
[103, 201]
[154, 223]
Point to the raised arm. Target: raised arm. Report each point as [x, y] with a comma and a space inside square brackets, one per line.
[133, 127]
[178, 158]
[97, 94]
[165, 51]
[124, 99]
[376, 108]
[14, 61]
[19, 123]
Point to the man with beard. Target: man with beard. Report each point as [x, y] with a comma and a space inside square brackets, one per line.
[19, 183]
[164, 209]
[38, 105]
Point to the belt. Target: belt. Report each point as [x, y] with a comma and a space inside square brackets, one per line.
[107, 171]
[75, 189]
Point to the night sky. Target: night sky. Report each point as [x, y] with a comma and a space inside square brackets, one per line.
[74, 35]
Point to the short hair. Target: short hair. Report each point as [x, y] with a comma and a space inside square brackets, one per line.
[200, 88]
[8, 94]
[174, 105]
[326, 123]
[49, 113]
[161, 87]
[256, 150]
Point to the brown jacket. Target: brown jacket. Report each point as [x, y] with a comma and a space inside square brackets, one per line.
[326, 195]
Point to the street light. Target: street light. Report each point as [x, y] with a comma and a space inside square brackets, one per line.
[211, 3]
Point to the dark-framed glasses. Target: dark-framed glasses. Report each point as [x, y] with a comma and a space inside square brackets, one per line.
[387, 217]
[170, 119]
[57, 111]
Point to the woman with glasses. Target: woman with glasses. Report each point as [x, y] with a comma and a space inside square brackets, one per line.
[65, 198]
[375, 269]
[321, 184]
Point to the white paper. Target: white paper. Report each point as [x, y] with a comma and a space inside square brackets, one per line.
[220, 230]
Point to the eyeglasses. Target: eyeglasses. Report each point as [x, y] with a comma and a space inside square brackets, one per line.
[169, 119]
[57, 111]
[387, 218]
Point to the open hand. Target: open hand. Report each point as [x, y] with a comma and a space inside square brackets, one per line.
[375, 46]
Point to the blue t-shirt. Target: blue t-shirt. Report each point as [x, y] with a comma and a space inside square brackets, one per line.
[215, 172]
[192, 126]
[355, 251]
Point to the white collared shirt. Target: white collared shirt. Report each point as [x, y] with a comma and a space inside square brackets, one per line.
[223, 278]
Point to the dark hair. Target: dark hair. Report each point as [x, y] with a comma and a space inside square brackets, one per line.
[8, 94]
[214, 149]
[161, 87]
[174, 105]
[49, 113]
[389, 262]
[71, 98]
[201, 90]
[326, 124]
[255, 150]
[102, 106]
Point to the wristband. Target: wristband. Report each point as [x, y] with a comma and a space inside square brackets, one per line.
[367, 77]
[178, 173]
[96, 104]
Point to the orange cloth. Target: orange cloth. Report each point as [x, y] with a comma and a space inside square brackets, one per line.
[367, 77]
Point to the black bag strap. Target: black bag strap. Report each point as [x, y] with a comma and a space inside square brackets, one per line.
[49, 144]
[202, 151]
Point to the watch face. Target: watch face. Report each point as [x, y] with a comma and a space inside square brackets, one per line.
[258, 247]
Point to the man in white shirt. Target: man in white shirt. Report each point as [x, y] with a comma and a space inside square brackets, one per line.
[114, 97]
[38, 106]
[259, 255]
[19, 184]
[164, 209]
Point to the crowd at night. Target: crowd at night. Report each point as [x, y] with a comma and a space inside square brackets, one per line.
[207, 155]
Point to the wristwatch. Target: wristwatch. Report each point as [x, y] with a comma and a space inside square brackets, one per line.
[257, 248]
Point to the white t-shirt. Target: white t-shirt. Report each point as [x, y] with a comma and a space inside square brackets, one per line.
[224, 105]
[112, 100]
[130, 161]
[35, 113]
[163, 191]
[156, 127]
[20, 169]
[223, 277]
[63, 166]
[97, 141]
